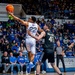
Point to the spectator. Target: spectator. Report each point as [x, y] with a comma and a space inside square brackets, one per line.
[15, 53]
[11, 36]
[15, 47]
[22, 48]
[5, 62]
[21, 61]
[74, 49]
[13, 62]
[8, 49]
[1, 25]
[1, 34]
[52, 21]
[69, 53]
[4, 31]
[65, 40]
[3, 45]
[74, 39]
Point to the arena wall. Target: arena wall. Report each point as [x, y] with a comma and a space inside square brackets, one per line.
[69, 64]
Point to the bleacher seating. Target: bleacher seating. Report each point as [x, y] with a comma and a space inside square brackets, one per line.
[12, 32]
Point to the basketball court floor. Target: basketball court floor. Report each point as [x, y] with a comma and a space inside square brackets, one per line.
[67, 73]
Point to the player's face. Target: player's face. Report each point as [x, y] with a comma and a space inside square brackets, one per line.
[30, 19]
[45, 27]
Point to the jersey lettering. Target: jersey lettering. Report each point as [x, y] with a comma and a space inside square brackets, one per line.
[33, 29]
[51, 38]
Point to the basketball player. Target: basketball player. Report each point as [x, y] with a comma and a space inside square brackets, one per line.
[32, 28]
[48, 49]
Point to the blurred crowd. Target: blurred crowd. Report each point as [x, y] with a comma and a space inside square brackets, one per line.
[12, 35]
[12, 42]
[50, 8]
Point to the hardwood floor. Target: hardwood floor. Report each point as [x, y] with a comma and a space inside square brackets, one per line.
[67, 73]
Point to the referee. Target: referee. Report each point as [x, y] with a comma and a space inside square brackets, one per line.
[59, 55]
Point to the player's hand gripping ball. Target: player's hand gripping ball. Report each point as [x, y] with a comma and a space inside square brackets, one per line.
[10, 8]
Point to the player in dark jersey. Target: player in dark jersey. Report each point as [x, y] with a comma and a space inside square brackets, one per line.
[48, 49]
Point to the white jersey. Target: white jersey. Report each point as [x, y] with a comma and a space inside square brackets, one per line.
[33, 27]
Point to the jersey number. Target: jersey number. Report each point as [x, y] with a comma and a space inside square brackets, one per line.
[33, 29]
[51, 39]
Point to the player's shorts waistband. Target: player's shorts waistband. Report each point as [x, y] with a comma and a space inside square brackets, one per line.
[30, 38]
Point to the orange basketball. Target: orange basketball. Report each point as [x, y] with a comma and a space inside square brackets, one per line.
[10, 8]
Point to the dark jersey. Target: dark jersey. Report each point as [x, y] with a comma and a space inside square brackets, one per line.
[5, 59]
[49, 42]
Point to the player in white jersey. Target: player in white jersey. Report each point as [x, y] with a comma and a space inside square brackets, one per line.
[30, 41]
[32, 28]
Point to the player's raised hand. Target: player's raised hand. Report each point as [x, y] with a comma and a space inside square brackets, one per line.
[9, 13]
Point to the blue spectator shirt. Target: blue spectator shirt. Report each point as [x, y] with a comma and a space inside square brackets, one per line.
[21, 59]
[13, 59]
[15, 48]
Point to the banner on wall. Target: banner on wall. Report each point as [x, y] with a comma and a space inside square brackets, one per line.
[69, 63]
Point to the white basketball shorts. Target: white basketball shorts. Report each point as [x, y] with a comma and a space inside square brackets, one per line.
[31, 45]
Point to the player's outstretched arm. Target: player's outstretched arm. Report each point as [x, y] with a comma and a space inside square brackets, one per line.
[18, 19]
[42, 33]
[35, 37]
[71, 45]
